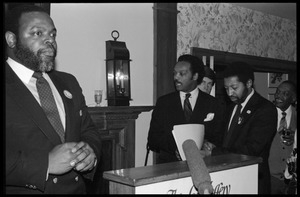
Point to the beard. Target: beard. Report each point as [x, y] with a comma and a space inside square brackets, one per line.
[38, 62]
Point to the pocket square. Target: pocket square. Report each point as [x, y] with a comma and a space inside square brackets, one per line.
[209, 117]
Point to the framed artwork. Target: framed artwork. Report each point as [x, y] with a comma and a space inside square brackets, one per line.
[274, 79]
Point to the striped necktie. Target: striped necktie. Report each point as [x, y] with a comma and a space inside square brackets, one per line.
[48, 104]
[283, 123]
[187, 107]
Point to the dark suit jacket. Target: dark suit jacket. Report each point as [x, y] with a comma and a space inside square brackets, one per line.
[254, 135]
[169, 112]
[30, 137]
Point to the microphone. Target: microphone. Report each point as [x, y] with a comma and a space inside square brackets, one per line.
[199, 172]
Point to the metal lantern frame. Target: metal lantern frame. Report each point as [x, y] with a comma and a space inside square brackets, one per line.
[117, 72]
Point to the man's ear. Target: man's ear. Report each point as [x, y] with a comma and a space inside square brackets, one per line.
[10, 39]
[195, 76]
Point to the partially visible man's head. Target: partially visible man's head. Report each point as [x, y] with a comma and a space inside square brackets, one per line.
[238, 81]
[285, 95]
[188, 72]
[208, 80]
[30, 37]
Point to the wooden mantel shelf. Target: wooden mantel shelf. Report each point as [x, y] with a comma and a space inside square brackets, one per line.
[116, 126]
[106, 117]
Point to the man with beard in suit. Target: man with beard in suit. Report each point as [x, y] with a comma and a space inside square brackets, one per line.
[255, 122]
[43, 157]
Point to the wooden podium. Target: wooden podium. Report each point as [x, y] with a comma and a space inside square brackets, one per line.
[230, 174]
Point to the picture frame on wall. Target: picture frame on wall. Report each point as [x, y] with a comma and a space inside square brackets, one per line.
[274, 79]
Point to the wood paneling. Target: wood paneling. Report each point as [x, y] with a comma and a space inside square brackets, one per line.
[259, 64]
[116, 125]
[165, 47]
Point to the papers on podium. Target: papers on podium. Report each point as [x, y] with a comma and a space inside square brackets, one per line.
[188, 131]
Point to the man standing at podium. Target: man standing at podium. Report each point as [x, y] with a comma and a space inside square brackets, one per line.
[188, 104]
[250, 121]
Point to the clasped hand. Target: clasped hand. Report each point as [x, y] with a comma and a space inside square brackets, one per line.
[207, 148]
[78, 156]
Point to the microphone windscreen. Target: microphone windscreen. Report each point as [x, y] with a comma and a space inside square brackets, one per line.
[198, 169]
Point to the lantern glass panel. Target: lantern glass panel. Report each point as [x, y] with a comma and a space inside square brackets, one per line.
[110, 79]
[122, 78]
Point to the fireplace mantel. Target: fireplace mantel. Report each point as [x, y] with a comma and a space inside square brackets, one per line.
[103, 116]
[116, 125]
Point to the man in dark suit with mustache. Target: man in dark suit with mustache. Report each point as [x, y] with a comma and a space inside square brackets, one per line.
[256, 124]
[39, 159]
[169, 111]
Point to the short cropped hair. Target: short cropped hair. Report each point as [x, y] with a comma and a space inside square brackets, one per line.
[242, 70]
[209, 73]
[197, 65]
[12, 18]
[292, 85]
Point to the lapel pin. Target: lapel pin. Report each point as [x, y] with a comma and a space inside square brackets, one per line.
[68, 94]
[240, 120]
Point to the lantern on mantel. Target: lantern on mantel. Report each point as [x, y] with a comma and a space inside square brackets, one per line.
[117, 72]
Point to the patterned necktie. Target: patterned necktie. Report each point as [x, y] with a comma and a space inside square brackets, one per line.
[48, 104]
[234, 122]
[187, 107]
[283, 123]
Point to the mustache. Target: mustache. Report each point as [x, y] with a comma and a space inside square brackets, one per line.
[50, 48]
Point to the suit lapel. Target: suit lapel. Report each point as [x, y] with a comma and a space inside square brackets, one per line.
[177, 111]
[247, 112]
[199, 108]
[18, 92]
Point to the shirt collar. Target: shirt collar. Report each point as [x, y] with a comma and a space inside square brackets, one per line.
[287, 111]
[247, 99]
[193, 93]
[21, 71]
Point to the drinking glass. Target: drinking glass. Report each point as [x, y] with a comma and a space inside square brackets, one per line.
[98, 97]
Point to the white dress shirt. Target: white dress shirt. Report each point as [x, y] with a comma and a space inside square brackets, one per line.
[25, 74]
[288, 116]
[192, 98]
